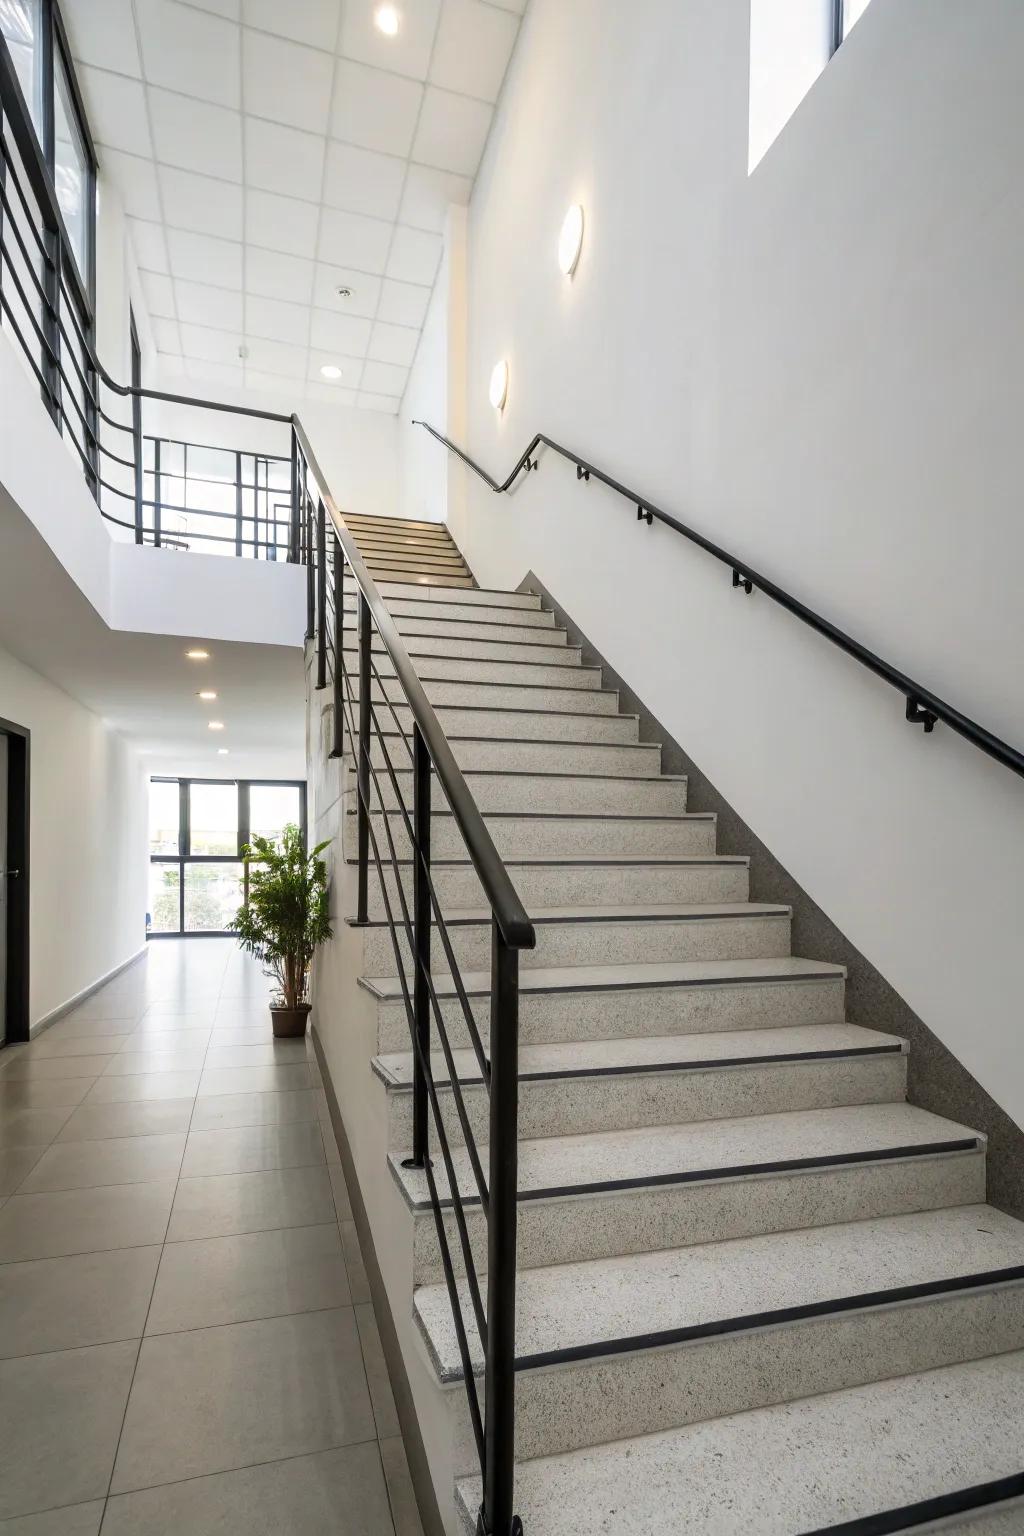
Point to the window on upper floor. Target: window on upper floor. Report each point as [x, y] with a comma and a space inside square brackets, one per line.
[791, 41]
[21, 26]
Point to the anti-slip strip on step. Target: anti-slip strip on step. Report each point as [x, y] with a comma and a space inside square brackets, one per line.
[526, 709]
[490, 661]
[685, 912]
[649, 1068]
[645, 816]
[625, 863]
[567, 773]
[1002, 1490]
[753, 1321]
[710, 1175]
[530, 980]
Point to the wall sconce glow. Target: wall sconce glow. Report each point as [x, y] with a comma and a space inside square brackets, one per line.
[498, 391]
[198, 655]
[387, 20]
[570, 240]
[331, 371]
[207, 693]
[216, 725]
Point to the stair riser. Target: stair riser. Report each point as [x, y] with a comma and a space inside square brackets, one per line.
[414, 543]
[527, 792]
[555, 1017]
[469, 669]
[496, 613]
[565, 1231]
[572, 1106]
[615, 943]
[405, 579]
[587, 885]
[441, 691]
[418, 564]
[539, 756]
[522, 725]
[477, 595]
[538, 838]
[565, 1408]
[470, 629]
[554, 653]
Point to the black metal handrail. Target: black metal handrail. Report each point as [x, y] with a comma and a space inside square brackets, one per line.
[355, 714]
[924, 707]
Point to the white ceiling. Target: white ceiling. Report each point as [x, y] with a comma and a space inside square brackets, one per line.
[269, 152]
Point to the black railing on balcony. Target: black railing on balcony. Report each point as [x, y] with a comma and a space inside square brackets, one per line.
[361, 657]
[923, 707]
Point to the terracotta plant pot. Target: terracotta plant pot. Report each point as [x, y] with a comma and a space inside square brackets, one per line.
[289, 1022]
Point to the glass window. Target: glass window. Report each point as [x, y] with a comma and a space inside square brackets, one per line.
[272, 807]
[164, 897]
[163, 816]
[213, 818]
[71, 174]
[213, 894]
[853, 10]
[21, 26]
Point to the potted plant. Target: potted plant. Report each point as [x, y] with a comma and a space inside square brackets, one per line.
[284, 919]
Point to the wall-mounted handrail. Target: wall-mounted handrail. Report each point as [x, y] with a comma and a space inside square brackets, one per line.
[923, 708]
[516, 928]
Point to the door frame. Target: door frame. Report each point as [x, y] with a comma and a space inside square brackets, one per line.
[16, 856]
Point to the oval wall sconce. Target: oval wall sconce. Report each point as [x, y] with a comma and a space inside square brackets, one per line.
[497, 392]
[570, 240]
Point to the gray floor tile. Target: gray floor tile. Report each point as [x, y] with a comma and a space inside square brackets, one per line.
[123, 1160]
[221, 1398]
[248, 1148]
[133, 1063]
[92, 1298]
[16, 1163]
[151, 1085]
[334, 1493]
[74, 1028]
[105, 1122]
[28, 1127]
[72, 1520]
[269, 1079]
[50, 1044]
[342, 1203]
[357, 1280]
[60, 1415]
[42, 1069]
[256, 1274]
[153, 1024]
[248, 1202]
[268, 1053]
[224, 1112]
[385, 1414]
[230, 1033]
[84, 1220]
[404, 1510]
[37, 1094]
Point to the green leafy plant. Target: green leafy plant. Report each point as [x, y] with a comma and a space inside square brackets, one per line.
[286, 915]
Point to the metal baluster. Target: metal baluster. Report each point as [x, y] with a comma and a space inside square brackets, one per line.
[321, 596]
[338, 677]
[363, 763]
[293, 526]
[421, 932]
[496, 1517]
[310, 597]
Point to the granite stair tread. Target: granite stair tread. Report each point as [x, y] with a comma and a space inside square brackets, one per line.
[646, 1300]
[652, 912]
[817, 1463]
[708, 1149]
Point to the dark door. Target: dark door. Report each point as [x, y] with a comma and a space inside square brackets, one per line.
[14, 784]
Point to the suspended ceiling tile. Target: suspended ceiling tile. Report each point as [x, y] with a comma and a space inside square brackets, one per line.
[116, 107]
[452, 132]
[102, 32]
[275, 275]
[276, 357]
[348, 335]
[210, 345]
[403, 303]
[331, 394]
[149, 244]
[373, 109]
[474, 45]
[203, 259]
[190, 51]
[427, 195]
[195, 135]
[281, 223]
[200, 203]
[286, 81]
[414, 256]
[201, 304]
[393, 344]
[363, 181]
[384, 378]
[406, 54]
[284, 160]
[354, 241]
[276, 320]
[305, 21]
[364, 290]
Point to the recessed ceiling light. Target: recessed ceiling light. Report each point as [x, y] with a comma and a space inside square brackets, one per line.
[216, 725]
[207, 693]
[498, 391]
[344, 293]
[198, 655]
[387, 20]
[331, 371]
[570, 240]
[222, 751]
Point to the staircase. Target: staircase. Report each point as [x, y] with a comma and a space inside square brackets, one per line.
[758, 1291]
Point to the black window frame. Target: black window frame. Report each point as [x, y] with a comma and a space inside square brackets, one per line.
[185, 856]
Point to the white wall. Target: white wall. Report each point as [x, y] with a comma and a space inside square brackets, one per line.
[88, 869]
[819, 365]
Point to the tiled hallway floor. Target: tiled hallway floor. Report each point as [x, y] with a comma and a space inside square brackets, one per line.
[186, 1339]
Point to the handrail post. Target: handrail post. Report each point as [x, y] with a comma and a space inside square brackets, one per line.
[496, 1516]
[363, 764]
[338, 676]
[293, 526]
[310, 591]
[321, 595]
[421, 938]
